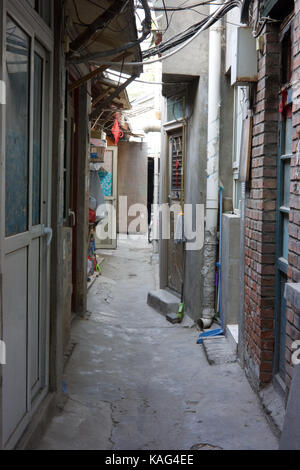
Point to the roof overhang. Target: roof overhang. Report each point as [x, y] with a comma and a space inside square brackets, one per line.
[119, 31]
[107, 86]
[174, 84]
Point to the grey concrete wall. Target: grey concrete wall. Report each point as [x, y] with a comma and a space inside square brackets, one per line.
[195, 189]
[132, 178]
[196, 63]
[230, 270]
[192, 59]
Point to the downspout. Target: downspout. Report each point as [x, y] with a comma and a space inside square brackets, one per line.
[212, 188]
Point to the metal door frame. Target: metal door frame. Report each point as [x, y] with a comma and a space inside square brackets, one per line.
[281, 264]
[31, 23]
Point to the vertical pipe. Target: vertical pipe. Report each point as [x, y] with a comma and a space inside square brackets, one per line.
[212, 189]
[156, 208]
[241, 342]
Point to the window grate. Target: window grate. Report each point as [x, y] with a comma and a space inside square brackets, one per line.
[176, 163]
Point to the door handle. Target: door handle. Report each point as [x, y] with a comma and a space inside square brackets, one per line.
[73, 216]
[48, 232]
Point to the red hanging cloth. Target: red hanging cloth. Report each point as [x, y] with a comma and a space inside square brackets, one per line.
[116, 130]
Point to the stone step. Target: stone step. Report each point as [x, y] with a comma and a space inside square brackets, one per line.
[163, 301]
[218, 350]
[232, 334]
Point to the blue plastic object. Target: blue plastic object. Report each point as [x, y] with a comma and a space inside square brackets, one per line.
[207, 334]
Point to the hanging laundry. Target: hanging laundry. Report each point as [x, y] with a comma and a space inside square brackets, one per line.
[106, 181]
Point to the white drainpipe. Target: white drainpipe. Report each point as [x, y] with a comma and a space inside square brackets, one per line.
[212, 191]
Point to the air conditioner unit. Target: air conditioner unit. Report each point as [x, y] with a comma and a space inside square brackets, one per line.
[244, 57]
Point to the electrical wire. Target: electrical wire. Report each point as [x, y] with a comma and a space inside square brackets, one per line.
[109, 27]
[181, 8]
[205, 24]
[166, 14]
[171, 17]
[146, 24]
[178, 39]
[258, 33]
[148, 82]
[81, 23]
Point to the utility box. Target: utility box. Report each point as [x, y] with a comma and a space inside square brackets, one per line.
[244, 57]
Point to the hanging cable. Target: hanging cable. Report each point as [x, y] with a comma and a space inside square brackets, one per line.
[166, 14]
[205, 24]
[146, 30]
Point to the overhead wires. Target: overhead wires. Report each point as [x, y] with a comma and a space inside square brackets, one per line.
[182, 39]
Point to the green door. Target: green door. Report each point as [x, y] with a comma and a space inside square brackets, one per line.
[282, 234]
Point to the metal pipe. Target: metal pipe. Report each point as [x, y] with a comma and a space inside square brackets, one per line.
[212, 189]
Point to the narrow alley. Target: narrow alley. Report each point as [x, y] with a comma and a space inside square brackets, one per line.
[134, 381]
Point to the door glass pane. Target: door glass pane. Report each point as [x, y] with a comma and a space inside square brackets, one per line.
[37, 140]
[285, 236]
[105, 174]
[174, 108]
[288, 136]
[17, 130]
[286, 183]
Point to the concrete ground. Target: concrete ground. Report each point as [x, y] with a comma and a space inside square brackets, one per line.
[135, 381]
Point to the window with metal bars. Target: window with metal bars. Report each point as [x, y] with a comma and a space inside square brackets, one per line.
[176, 164]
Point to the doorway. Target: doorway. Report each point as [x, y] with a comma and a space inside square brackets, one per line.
[175, 197]
[150, 190]
[283, 203]
[26, 235]
[108, 177]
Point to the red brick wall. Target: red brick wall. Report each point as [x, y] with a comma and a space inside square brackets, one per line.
[261, 214]
[260, 217]
[293, 316]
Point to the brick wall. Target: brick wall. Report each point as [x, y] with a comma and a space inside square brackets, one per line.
[293, 315]
[260, 227]
[260, 217]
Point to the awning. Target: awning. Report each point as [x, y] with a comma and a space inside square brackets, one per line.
[111, 35]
